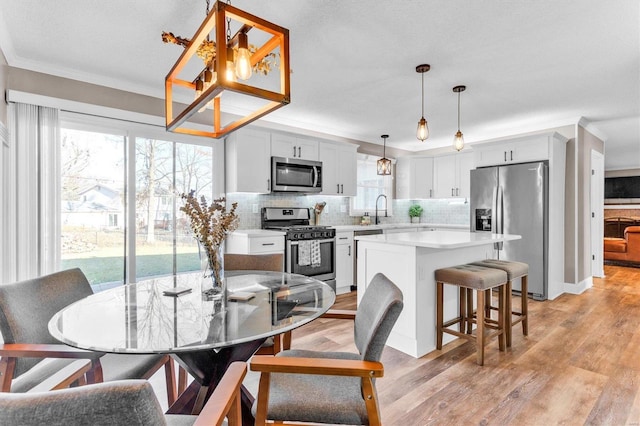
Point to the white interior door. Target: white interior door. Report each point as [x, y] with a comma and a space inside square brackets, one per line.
[597, 213]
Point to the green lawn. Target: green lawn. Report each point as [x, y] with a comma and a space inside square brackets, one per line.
[111, 269]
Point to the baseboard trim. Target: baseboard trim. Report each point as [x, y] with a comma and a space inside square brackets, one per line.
[580, 287]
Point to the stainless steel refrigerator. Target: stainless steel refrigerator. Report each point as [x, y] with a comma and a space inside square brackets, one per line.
[514, 199]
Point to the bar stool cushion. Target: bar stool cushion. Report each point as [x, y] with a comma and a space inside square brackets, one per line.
[471, 276]
[513, 269]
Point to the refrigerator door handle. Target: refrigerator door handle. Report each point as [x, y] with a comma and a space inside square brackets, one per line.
[499, 217]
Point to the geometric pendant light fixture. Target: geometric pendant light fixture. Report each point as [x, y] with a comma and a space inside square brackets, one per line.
[231, 65]
[423, 128]
[458, 139]
[384, 164]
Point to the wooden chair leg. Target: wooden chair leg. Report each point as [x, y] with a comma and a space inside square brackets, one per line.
[480, 328]
[170, 377]
[439, 314]
[286, 341]
[508, 324]
[462, 307]
[524, 305]
[7, 369]
[182, 380]
[502, 315]
[469, 310]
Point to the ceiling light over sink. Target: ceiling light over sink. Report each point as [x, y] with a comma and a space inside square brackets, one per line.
[384, 164]
[423, 127]
[226, 57]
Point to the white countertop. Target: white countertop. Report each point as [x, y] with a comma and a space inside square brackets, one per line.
[258, 232]
[439, 239]
[340, 228]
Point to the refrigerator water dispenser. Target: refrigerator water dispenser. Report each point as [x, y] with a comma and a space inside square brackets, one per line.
[483, 220]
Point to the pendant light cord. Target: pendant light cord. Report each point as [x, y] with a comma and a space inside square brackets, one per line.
[458, 111]
[423, 94]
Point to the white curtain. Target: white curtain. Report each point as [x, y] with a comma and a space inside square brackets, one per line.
[31, 224]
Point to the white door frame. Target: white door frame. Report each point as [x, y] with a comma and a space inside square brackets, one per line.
[597, 213]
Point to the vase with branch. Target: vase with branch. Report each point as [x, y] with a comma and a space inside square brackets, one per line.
[210, 223]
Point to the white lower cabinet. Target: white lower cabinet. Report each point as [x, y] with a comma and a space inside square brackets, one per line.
[344, 262]
[255, 242]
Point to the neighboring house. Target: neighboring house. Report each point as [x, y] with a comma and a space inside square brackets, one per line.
[99, 207]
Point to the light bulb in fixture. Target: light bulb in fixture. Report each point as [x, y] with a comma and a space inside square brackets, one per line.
[458, 139]
[230, 74]
[243, 61]
[423, 129]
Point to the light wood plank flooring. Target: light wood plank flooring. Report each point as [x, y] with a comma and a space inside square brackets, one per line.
[579, 365]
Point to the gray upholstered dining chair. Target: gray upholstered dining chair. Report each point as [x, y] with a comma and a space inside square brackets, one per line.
[31, 356]
[332, 387]
[261, 262]
[126, 402]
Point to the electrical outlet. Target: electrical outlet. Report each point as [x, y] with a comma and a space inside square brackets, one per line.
[254, 208]
[343, 208]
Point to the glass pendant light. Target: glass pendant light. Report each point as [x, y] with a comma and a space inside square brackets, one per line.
[384, 164]
[423, 128]
[243, 60]
[458, 139]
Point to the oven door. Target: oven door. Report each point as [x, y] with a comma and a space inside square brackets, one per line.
[295, 175]
[324, 272]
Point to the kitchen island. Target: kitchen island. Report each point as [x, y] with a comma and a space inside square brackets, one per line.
[409, 259]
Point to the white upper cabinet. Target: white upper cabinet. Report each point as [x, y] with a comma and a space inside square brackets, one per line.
[524, 150]
[414, 178]
[291, 146]
[452, 175]
[248, 161]
[339, 164]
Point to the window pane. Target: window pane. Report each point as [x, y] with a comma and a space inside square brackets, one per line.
[155, 198]
[194, 171]
[154, 207]
[93, 205]
[370, 185]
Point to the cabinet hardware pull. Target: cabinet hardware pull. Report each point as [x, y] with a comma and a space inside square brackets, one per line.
[268, 244]
[338, 188]
[452, 192]
[511, 155]
[343, 238]
[457, 191]
[431, 193]
[268, 184]
[349, 250]
[505, 156]
[299, 152]
[341, 188]
[294, 151]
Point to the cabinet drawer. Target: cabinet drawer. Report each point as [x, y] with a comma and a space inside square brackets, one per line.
[343, 238]
[266, 245]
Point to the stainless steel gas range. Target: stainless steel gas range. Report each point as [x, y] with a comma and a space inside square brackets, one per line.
[309, 250]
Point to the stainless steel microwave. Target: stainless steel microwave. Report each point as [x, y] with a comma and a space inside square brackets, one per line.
[295, 175]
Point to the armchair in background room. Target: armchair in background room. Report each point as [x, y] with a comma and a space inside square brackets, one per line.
[332, 387]
[125, 402]
[625, 249]
[31, 359]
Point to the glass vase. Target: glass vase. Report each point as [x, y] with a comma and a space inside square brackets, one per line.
[213, 285]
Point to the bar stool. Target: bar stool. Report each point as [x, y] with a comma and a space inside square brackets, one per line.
[514, 270]
[480, 279]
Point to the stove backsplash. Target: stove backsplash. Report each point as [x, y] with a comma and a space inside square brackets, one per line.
[454, 212]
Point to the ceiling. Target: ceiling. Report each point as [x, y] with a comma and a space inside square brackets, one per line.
[528, 65]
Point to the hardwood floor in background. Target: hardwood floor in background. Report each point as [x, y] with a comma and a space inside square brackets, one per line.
[579, 365]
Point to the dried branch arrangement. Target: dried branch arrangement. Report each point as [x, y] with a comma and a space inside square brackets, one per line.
[210, 225]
